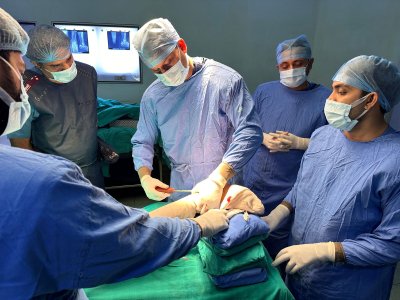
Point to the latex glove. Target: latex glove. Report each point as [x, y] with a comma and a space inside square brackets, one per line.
[299, 256]
[276, 216]
[233, 212]
[183, 208]
[149, 185]
[210, 189]
[292, 141]
[272, 142]
[212, 222]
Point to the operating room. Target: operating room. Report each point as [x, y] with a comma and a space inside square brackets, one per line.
[158, 141]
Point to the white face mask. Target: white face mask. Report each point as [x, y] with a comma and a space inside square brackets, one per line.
[337, 113]
[176, 75]
[19, 112]
[67, 75]
[293, 77]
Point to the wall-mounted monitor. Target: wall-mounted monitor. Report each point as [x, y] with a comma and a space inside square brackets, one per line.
[27, 25]
[108, 48]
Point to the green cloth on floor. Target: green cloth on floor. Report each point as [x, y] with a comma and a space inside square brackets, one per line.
[252, 257]
[184, 279]
[227, 252]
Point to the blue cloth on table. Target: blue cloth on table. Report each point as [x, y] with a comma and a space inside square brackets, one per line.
[245, 277]
[239, 231]
[239, 248]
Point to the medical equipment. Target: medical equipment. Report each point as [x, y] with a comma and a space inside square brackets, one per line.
[171, 190]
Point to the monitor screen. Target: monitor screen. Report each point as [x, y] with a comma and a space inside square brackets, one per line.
[118, 40]
[79, 40]
[27, 25]
[107, 48]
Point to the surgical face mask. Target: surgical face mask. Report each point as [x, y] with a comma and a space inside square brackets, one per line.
[67, 75]
[337, 113]
[176, 75]
[19, 112]
[293, 77]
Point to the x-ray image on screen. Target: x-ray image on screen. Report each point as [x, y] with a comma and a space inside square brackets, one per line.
[118, 40]
[79, 40]
[107, 48]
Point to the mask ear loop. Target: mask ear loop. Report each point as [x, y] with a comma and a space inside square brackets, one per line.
[12, 68]
[7, 99]
[361, 100]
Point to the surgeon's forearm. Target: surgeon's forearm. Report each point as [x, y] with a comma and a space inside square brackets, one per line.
[278, 215]
[144, 171]
[21, 143]
[225, 170]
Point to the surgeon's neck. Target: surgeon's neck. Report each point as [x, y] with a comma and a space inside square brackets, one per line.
[301, 87]
[369, 128]
[191, 67]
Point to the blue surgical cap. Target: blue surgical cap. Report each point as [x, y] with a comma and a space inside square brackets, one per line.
[12, 35]
[155, 40]
[372, 74]
[47, 44]
[298, 47]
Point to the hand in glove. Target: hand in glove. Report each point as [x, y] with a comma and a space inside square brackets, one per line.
[212, 222]
[183, 208]
[210, 189]
[299, 256]
[149, 185]
[276, 216]
[291, 141]
[272, 142]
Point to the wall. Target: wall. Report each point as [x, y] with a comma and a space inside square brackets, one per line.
[241, 34]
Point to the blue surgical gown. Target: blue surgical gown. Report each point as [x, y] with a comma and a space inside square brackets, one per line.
[58, 232]
[271, 175]
[207, 119]
[348, 192]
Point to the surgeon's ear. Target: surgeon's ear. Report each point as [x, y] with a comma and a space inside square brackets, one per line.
[182, 45]
[372, 100]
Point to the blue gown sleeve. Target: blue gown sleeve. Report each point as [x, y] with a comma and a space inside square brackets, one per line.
[248, 134]
[93, 239]
[145, 137]
[382, 246]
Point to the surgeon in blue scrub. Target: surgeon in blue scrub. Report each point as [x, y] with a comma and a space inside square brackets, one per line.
[290, 110]
[345, 237]
[203, 112]
[63, 96]
[59, 233]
